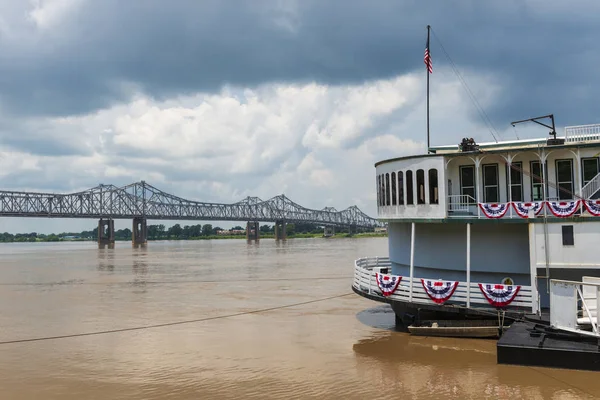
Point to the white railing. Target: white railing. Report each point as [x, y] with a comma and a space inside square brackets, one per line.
[461, 203]
[591, 187]
[466, 295]
[582, 133]
[565, 313]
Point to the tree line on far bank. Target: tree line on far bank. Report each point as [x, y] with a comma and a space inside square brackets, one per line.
[160, 232]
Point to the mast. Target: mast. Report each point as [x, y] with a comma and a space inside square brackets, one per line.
[428, 70]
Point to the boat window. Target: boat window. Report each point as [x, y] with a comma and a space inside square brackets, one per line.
[490, 183]
[409, 188]
[564, 179]
[394, 201]
[420, 186]
[433, 186]
[516, 181]
[400, 187]
[379, 190]
[382, 189]
[467, 183]
[568, 237]
[387, 189]
[589, 169]
[537, 191]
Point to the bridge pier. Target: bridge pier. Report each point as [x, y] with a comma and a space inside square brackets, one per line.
[328, 231]
[139, 232]
[252, 231]
[280, 230]
[352, 229]
[106, 233]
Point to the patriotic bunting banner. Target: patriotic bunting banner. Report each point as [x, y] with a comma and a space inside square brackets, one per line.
[523, 208]
[499, 295]
[387, 283]
[563, 209]
[592, 206]
[494, 210]
[439, 291]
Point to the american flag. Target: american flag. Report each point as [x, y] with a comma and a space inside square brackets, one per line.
[427, 58]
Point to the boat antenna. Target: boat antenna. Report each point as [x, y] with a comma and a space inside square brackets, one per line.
[482, 113]
[551, 141]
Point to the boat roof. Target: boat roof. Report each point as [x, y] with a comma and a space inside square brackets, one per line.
[575, 137]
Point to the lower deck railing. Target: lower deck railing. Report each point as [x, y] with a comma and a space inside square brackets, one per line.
[467, 295]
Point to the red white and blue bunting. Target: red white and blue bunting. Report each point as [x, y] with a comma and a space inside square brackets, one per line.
[592, 206]
[563, 209]
[494, 210]
[439, 291]
[499, 295]
[522, 208]
[387, 283]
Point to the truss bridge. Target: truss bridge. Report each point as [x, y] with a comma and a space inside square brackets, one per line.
[140, 201]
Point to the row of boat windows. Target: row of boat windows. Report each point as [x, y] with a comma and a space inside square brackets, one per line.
[564, 171]
[398, 188]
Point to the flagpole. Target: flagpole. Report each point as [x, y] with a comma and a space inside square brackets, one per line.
[427, 72]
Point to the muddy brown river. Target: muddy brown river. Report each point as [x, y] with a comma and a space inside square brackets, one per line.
[200, 337]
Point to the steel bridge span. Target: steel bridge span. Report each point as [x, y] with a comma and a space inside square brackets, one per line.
[141, 201]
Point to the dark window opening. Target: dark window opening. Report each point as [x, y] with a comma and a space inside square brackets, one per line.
[490, 183]
[564, 179]
[387, 189]
[516, 181]
[400, 187]
[467, 183]
[568, 238]
[589, 169]
[537, 187]
[420, 186]
[433, 186]
[409, 188]
[378, 190]
[394, 198]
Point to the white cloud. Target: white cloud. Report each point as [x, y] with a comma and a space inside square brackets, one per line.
[49, 13]
[315, 143]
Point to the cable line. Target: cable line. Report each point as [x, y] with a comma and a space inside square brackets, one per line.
[138, 328]
[480, 109]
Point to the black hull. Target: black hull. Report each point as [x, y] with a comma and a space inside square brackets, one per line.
[411, 313]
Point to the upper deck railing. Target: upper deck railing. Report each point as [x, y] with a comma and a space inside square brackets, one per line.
[582, 133]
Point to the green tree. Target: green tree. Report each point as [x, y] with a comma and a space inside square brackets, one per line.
[207, 230]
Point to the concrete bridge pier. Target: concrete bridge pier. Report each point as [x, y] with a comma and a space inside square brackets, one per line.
[139, 232]
[280, 230]
[352, 229]
[252, 231]
[328, 231]
[106, 233]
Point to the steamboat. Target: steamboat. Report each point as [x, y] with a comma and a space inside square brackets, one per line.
[503, 231]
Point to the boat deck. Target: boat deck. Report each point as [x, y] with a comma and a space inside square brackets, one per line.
[534, 344]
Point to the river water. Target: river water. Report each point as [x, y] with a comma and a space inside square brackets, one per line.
[339, 347]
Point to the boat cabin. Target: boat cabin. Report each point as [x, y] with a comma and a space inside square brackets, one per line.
[452, 181]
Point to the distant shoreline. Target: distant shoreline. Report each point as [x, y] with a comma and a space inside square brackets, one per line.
[207, 237]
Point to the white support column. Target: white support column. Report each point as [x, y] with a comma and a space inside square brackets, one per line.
[535, 293]
[544, 191]
[478, 184]
[509, 173]
[579, 175]
[412, 260]
[468, 265]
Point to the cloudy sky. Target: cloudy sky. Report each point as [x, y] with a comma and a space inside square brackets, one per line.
[219, 100]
